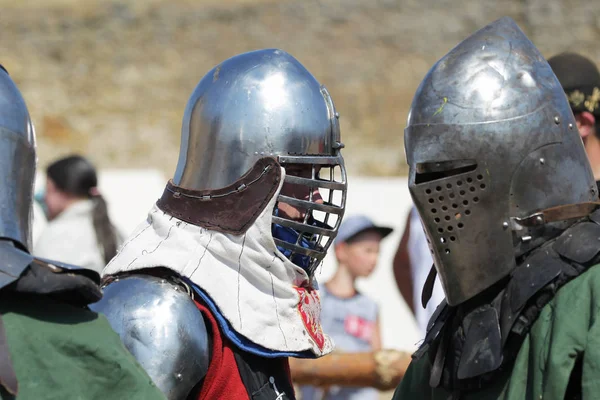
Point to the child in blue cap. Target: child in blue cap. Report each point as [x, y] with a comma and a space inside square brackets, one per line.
[348, 316]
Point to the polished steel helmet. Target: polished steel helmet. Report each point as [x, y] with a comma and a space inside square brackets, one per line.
[17, 164]
[496, 163]
[266, 104]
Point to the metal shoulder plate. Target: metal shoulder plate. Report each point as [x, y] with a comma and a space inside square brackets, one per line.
[161, 326]
[580, 243]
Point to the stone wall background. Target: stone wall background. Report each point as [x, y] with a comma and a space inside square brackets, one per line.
[111, 79]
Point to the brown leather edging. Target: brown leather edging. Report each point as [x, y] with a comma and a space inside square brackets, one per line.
[232, 209]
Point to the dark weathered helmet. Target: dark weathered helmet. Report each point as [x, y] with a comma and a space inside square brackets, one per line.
[491, 143]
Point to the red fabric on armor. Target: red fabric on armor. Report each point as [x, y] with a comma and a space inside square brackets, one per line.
[223, 379]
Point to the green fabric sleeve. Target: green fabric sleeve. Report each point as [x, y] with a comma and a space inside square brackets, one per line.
[416, 380]
[591, 356]
[63, 352]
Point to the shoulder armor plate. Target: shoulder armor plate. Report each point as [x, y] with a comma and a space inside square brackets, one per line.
[579, 243]
[161, 326]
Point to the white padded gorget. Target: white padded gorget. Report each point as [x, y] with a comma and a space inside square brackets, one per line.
[264, 296]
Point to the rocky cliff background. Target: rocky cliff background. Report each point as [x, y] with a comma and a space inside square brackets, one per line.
[110, 79]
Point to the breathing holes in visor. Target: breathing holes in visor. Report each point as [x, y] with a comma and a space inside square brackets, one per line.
[450, 203]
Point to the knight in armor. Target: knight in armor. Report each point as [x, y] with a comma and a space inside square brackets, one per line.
[216, 289]
[51, 345]
[507, 197]
[580, 79]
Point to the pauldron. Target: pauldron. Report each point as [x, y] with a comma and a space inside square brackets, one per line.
[162, 327]
[470, 343]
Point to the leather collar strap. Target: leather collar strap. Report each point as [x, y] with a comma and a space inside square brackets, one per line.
[232, 209]
[559, 213]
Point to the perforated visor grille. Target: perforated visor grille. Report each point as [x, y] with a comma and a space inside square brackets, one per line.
[450, 203]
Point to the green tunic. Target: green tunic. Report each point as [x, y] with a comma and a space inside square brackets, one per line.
[63, 352]
[567, 329]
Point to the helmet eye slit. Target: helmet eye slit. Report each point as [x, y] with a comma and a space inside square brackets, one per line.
[433, 171]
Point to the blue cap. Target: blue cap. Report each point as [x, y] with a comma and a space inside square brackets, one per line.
[355, 224]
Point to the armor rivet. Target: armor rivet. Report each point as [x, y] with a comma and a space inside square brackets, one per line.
[557, 120]
[539, 219]
[570, 126]
[542, 161]
[505, 225]
[179, 376]
[337, 115]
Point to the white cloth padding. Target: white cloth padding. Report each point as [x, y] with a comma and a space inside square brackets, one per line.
[263, 295]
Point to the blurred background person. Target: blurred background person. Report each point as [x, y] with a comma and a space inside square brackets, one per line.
[39, 221]
[349, 317]
[412, 265]
[580, 79]
[79, 230]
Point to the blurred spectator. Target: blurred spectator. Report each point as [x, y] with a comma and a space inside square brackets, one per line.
[349, 317]
[580, 79]
[412, 264]
[39, 221]
[79, 230]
